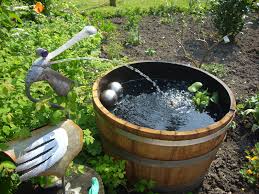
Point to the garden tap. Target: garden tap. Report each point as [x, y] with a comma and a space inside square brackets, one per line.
[41, 68]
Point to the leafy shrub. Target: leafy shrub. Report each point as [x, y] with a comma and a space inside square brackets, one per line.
[114, 47]
[216, 69]
[8, 18]
[17, 114]
[48, 181]
[133, 37]
[249, 111]
[112, 171]
[250, 171]
[144, 186]
[104, 24]
[228, 16]
[133, 20]
[133, 29]
[9, 180]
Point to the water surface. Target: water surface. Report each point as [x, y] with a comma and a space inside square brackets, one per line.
[173, 109]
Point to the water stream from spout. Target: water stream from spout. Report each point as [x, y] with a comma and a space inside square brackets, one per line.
[146, 77]
[103, 59]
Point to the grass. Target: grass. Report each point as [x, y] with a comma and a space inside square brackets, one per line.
[103, 5]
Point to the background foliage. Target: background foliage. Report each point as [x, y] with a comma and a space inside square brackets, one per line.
[228, 16]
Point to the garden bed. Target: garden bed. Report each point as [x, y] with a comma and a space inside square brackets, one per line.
[167, 33]
[241, 74]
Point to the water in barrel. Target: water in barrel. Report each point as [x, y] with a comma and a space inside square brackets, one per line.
[172, 109]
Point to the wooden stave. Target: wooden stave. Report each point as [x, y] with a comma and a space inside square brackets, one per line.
[169, 175]
[146, 150]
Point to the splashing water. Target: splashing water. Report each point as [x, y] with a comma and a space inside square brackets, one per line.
[172, 109]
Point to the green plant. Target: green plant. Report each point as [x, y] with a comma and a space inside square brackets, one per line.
[17, 114]
[150, 52]
[112, 171]
[196, 6]
[250, 171]
[8, 19]
[105, 25]
[91, 145]
[44, 181]
[133, 27]
[114, 47]
[75, 168]
[133, 20]
[202, 98]
[216, 69]
[9, 180]
[167, 19]
[133, 37]
[228, 16]
[249, 111]
[144, 186]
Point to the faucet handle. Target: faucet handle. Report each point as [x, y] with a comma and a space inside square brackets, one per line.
[85, 32]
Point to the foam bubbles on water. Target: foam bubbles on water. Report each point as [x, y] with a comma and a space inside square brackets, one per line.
[171, 109]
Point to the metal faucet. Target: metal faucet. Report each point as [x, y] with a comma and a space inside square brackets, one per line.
[41, 67]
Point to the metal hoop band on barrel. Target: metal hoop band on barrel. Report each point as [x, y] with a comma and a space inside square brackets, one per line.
[156, 163]
[170, 143]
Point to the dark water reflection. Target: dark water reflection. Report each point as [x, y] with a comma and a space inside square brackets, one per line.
[142, 105]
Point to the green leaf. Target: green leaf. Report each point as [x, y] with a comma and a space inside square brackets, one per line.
[240, 106]
[195, 87]
[56, 117]
[7, 165]
[3, 146]
[81, 169]
[248, 111]
[215, 97]
[95, 148]
[6, 129]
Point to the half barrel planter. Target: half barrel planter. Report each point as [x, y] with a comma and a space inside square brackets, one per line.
[175, 160]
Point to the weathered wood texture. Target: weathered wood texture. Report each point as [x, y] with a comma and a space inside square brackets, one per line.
[175, 160]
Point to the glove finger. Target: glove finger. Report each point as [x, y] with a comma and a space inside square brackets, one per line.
[40, 141]
[40, 159]
[36, 152]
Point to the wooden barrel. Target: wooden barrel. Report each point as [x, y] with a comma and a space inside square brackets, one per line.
[175, 160]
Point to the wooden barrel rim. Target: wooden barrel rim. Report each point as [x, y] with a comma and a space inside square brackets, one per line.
[165, 134]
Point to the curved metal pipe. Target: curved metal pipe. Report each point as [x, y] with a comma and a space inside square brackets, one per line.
[35, 100]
